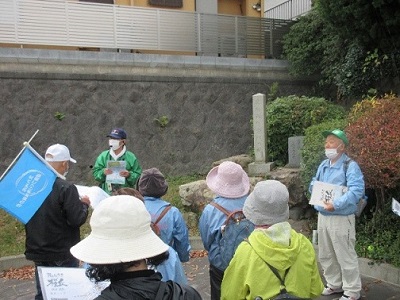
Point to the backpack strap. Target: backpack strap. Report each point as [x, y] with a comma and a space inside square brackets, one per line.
[229, 215]
[165, 210]
[282, 280]
[216, 205]
[275, 271]
[346, 164]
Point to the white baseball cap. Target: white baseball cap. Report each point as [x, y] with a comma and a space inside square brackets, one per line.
[58, 152]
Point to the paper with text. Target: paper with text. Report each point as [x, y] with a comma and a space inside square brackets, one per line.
[68, 283]
[95, 194]
[323, 193]
[116, 167]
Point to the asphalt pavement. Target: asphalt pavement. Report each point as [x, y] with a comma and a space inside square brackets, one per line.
[198, 277]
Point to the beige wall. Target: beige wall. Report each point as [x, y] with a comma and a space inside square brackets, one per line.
[238, 8]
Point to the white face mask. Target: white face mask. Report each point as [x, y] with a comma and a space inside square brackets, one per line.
[114, 144]
[66, 171]
[331, 153]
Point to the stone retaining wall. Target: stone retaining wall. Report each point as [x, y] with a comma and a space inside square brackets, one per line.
[181, 113]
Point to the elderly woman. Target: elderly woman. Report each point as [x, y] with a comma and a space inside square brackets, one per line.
[120, 247]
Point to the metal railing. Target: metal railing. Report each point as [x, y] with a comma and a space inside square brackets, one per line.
[83, 25]
[289, 10]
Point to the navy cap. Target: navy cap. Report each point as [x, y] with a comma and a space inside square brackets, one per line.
[117, 133]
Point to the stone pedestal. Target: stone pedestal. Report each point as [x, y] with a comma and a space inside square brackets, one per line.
[260, 168]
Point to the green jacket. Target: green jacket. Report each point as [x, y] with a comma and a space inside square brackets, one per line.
[132, 165]
[248, 276]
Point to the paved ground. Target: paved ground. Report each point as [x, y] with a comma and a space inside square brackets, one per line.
[197, 273]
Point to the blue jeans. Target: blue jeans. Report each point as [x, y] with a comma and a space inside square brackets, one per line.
[69, 263]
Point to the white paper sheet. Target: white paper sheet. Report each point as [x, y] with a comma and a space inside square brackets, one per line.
[68, 284]
[323, 193]
[396, 207]
[95, 194]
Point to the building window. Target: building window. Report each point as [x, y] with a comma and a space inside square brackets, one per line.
[99, 1]
[167, 3]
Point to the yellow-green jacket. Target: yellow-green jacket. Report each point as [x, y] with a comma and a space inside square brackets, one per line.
[248, 276]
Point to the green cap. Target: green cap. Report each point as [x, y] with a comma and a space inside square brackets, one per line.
[338, 133]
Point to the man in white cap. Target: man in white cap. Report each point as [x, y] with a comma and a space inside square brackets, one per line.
[55, 226]
[231, 184]
[272, 242]
[122, 247]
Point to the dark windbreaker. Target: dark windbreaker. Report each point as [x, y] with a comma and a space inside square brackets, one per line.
[143, 285]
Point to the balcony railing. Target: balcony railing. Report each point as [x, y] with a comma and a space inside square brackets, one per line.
[289, 10]
[83, 25]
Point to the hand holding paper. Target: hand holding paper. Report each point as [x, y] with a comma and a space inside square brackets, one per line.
[94, 193]
[324, 193]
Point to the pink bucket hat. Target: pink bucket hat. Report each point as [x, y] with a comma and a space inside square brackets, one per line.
[228, 180]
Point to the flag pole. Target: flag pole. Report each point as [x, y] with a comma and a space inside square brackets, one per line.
[19, 154]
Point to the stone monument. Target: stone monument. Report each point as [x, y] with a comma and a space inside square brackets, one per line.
[295, 143]
[260, 166]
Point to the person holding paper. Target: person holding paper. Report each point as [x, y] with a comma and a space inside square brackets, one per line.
[122, 247]
[116, 167]
[336, 219]
[55, 227]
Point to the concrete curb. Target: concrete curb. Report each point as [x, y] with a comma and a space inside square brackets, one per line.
[384, 272]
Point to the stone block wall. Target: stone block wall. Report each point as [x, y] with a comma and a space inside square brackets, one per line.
[180, 113]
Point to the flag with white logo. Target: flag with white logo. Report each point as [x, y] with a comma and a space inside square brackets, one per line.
[26, 185]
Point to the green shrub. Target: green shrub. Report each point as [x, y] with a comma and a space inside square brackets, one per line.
[378, 238]
[313, 149]
[290, 116]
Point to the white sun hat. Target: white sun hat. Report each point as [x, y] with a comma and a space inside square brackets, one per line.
[228, 180]
[121, 232]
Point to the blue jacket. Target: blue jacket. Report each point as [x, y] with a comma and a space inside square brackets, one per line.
[353, 179]
[173, 229]
[172, 269]
[210, 224]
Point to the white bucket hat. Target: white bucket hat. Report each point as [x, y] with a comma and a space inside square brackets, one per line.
[228, 180]
[121, 232]
[268, 204]
[58, 152]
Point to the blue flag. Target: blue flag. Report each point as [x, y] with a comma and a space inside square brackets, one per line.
[26, 185]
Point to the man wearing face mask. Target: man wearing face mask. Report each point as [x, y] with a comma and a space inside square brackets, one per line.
[336, 220]
[55, 227]
[117, 152]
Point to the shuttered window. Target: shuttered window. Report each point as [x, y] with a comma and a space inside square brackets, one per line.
[166, 3]
[99, 1]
